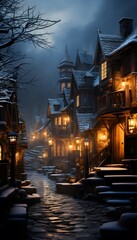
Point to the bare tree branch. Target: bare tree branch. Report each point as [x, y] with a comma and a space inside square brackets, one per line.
[17, 25]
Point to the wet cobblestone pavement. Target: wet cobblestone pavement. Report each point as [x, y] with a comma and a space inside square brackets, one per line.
[62, 217]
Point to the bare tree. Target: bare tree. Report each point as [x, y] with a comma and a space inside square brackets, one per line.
[18, 24]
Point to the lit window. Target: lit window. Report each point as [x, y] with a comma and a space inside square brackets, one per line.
[59, 120]
[77, 101]
[103, 70]
[62, 86]
[56, 121]
[69, 85]
[65, 120]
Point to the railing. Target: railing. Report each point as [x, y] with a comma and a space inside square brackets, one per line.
[112, 101]
[61, 130]
[100, 158]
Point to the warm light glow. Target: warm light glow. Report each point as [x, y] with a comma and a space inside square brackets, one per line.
[103, 137]
[104, 70]
[44, 155]
[131, 124]
[77, 140]
[12, 137]
[70, 146]
[66, 120]
[86, 142]
[123, 83]
[45, 133]
[50, 141]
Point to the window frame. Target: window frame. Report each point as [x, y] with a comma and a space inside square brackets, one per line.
[104, 65]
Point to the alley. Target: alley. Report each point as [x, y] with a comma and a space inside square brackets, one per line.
[62, 217]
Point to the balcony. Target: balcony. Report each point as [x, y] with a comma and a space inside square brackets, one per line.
[112, 102]
[61, 131]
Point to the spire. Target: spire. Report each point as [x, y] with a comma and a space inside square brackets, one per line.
[66, 60]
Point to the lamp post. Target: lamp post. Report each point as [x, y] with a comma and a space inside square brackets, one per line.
[12, 136]
[50, 143]
[86, 168]
[70, 156]
[131, 124]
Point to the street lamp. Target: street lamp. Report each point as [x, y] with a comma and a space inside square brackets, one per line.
[86, 144]
[132, 125]
[12, 136]
[70, 161]
[50, 143]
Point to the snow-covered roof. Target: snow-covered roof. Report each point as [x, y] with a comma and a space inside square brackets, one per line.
[109, 43]
[5, 95]
[79, 77]
[132, 38]
[84, 121]
[56, 105]
[85, 57]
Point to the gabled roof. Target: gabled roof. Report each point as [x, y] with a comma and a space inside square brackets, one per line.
[56, 105]
[109, 43]
[85, 58]
[84, 121]
[105, 45]
[80, 77]
[132, 38]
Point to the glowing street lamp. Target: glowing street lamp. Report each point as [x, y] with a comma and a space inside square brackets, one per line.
[12, 136]
[132, 126]
[50, 143]
[86, 144]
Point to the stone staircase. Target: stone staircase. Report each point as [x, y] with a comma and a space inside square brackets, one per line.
[105, 184]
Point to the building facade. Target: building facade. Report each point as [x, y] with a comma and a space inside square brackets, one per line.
[98, 100]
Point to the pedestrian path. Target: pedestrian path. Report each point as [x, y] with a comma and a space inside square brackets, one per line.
[62, 217]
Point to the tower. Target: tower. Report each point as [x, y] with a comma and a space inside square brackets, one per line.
[65, 69]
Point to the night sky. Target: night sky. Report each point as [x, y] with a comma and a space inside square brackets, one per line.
[80, 20]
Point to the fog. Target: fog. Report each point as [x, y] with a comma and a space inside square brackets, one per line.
[78, 27]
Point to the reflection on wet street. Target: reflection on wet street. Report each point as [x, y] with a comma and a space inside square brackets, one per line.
[60, 216]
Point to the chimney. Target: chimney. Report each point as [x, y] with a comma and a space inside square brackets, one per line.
[126, 27]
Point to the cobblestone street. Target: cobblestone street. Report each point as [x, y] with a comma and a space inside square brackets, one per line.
[62, 217]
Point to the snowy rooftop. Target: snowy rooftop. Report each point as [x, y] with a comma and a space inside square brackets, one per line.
[85, 121]
[85, 57]
[79, 77]
[132, 38]
[5, 94]
[109, 42]
[56, 105]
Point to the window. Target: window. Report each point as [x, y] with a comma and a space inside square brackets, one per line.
[62, 86]
[77, 101]
[56, 121]
[69, 85]
[66, 120]
[103, 70]
[59, 120]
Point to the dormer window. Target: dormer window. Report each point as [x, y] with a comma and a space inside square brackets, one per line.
[104, 70]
